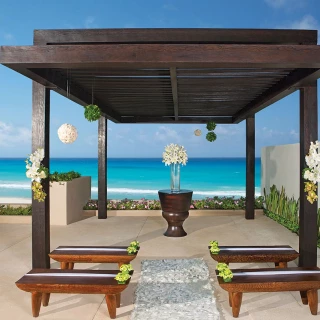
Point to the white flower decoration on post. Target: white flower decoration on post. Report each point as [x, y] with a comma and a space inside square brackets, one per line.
[67, 133]
[312, 172]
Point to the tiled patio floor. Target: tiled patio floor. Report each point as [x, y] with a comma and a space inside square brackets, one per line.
[229, 228]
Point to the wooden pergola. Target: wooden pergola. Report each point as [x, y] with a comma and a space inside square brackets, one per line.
[171, 76]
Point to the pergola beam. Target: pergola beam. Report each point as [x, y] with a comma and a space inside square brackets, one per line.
[174, 86]
[181, 120]
[162, 56]
[282, 89]
[177, 35]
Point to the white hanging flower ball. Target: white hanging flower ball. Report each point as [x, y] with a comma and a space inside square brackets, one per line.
[197, 132]
[67, 133]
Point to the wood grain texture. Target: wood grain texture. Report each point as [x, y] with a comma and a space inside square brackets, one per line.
[175, 97]
[70, 257]
[255, 256]
[250, 167]
[308, 230]
[45, 299]
[102, 168]
[176, 35]
[308, 284]
[112, 305]
[41, 210]
[162, 56]
[175, 210]
[36, 303]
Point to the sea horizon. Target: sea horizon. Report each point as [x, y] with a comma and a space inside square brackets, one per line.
[137, 178]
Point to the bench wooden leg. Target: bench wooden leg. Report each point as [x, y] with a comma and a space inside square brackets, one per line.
[281, 264]
[236, 303]
[36, 303]
[230, 299]
[313, 301]
[45, 299]
[71, 265]
[304, 298]
[112, 305]
[64, 265]
[118, 298]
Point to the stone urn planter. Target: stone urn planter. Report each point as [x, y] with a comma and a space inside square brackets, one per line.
[67, 200]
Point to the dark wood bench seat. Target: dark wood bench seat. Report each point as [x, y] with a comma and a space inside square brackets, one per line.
[305, 280]
[42, 282]
[69, 255]
[279, 255]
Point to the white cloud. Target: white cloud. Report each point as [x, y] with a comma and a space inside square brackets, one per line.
[12, 136]
[89, 22]
[287, 4]
[307, 22]
[294, 134]
[167, 135]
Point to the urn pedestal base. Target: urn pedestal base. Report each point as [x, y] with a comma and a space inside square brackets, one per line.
[175, 223]
[175, 210]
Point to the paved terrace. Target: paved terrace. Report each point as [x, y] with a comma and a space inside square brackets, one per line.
[230, 228]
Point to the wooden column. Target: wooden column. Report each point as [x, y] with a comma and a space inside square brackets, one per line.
[250, 167]
[41, 210]
[308, 233]
[102, 172]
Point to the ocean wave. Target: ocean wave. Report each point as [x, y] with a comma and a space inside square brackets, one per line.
[237, 193]
[15, 186]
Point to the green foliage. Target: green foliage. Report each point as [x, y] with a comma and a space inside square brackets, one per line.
[285, 211]
[219, 203]
[63, 176]
[278, 203]
[7, 210]
[211, 136]
[92, 112]
[211, 126]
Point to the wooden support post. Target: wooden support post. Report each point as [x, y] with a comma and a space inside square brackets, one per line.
[308, 232]
[102, 172]
[41, 210]
[250, 167]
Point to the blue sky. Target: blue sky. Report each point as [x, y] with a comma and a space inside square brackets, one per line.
[278, 124]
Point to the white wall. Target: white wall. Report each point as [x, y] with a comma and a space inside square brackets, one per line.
[280, 166]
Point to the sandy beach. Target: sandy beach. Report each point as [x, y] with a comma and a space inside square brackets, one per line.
[15, 201]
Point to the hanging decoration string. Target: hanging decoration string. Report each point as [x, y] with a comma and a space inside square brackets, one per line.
[92, 111]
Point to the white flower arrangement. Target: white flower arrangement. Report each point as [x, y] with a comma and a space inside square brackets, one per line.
[173, 153]
[36, 172]
[67, 133]
[312, 173]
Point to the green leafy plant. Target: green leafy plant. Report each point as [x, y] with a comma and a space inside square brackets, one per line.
[211, 136]
[214, 249]
[224, 272]
[124, 273]
[63, 176]
[7, 210]
[211, 126]
[133, 247]
[92, 112]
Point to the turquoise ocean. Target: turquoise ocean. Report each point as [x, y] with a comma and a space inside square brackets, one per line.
[140, 178]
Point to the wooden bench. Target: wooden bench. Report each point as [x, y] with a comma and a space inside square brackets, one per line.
[280, 255]
[305, 280]
[69, 255]
[42, 282]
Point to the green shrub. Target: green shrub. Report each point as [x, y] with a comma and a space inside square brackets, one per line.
[63, 176]
[7, 210]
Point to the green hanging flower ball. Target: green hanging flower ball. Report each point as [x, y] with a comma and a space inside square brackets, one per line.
[92, 112]
[211, 126]
[211, 136]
